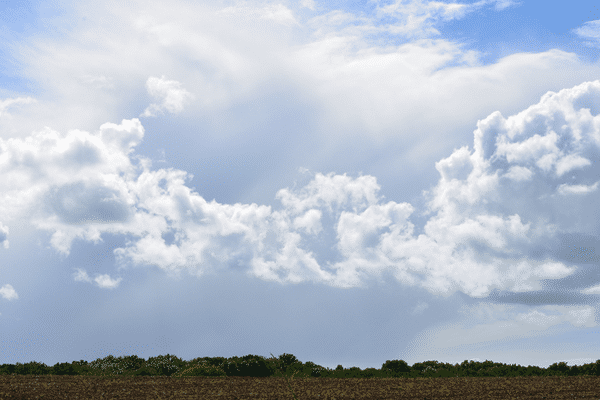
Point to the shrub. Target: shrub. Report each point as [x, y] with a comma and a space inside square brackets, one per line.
[131, 363]
[146, 371]
[7, 369]
[594, 369]
[165, 365]
[370, 373]
[64, 369]
[560, 368]
[314, 370]
[286, 364]
[395, 366]
[106, 365]
[249, 365]
[31, 368]
[216, 361]
[353, 372]
[203, 369]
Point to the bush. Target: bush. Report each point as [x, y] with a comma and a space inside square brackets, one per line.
[249, 365]
[289, 362]
[203, 369]
[353, 372]
[215, 361]
[31, 368]
[286, 364]
[395, 366]
[104, 365]
[444, 373]
[64, 369]
[131, 363]
[594, 369]
[371, 373]
[146, 371]
[7, 369]
[165, 365]
[313, 370]
[560, 368]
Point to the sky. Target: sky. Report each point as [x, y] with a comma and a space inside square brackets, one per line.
[346, 181]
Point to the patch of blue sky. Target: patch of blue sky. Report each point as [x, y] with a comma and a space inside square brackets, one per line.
[494, 28]
[18, 20]
[529, 26]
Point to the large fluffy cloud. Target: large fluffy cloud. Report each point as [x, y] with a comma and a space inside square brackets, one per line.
[530, 177]
[69, 183]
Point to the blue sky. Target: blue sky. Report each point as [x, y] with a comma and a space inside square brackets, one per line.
[349, 182]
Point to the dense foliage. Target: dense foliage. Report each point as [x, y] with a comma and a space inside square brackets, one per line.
[286, 365]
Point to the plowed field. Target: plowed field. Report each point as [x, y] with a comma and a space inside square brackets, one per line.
[81, 387]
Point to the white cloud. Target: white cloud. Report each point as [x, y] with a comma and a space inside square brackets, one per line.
[503, 4]
[7, 103]
[330, 190]
[310, 4]
[8, 292]
[171, 94]
[419, 11]
[69, 183]
[416, 18]
[591, 290]
[102, 281]
[279, 13]
[477, 240]
[310, 221]
[275, 12]
[81, 185]
[590, 30]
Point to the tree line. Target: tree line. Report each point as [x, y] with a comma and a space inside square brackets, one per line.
[287, 365]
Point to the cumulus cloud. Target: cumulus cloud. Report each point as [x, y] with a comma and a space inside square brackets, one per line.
[8, 292]
[69, 183]
[102, 281]
[477, 240]
[529, 178]
[169, 92]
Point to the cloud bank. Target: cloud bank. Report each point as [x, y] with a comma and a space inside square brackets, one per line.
[482, 226]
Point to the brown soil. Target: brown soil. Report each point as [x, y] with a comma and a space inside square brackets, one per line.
[85, 387]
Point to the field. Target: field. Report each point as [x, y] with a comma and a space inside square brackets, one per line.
[162, 387]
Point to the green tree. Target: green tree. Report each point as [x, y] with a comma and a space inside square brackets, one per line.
[31, 368]
[165, 365]
[64, 369]
[395, 366]
[560, 368]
